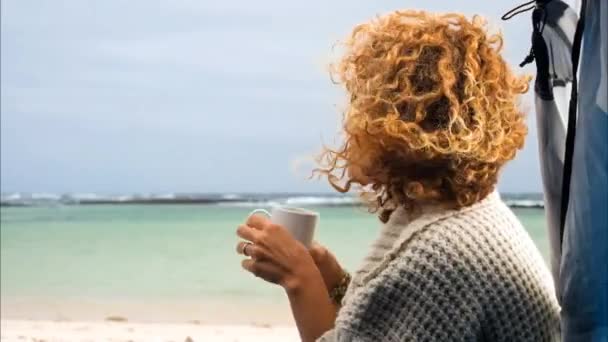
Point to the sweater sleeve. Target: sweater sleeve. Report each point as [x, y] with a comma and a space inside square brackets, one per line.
[427, 292]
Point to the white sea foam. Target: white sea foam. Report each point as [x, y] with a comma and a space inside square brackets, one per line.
[231, 196]
[250, 204]
[163, 196]
[12, 197]
[85, 196]
[320, 201]
[525, 203]
[123, 198]
[45, 196]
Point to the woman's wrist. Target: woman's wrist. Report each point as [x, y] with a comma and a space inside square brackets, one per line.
[312, 309]
[305, 277]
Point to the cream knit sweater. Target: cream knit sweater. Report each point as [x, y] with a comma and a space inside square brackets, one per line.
[468, 275]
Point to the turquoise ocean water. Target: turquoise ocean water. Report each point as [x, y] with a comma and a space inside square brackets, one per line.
[59, 261]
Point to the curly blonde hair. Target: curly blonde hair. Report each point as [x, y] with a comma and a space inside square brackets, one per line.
[433, 111]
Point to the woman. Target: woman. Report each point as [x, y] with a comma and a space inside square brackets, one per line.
[432, 118]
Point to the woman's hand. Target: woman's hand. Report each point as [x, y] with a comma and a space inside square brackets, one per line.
[275, 255]
[329, 267]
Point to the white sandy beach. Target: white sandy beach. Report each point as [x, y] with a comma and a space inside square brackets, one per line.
[46, 319]
[52, 331]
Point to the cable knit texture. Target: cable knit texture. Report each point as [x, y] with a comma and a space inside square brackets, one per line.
[472, 274]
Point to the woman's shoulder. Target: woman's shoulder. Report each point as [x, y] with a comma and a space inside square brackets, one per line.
[487, 232]
[482, 246]
[478, 224]
[440, 241]
[487, 251]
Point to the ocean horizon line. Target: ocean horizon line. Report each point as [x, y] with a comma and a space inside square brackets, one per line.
[244, 199]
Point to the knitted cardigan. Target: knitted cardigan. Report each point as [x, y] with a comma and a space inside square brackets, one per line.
[472, 274]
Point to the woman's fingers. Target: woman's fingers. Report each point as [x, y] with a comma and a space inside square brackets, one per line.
[242, 246]
[248, 233]
[318, 253]
[251, 250]
[264, 269]
[275, 255]
[266, 238]
[257, 221]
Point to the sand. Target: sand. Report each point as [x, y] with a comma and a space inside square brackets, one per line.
[92, 331]
[40, 319]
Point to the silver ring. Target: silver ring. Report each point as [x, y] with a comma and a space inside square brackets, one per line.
[247, 244]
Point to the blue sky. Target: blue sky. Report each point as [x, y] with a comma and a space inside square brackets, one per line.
[189, 96]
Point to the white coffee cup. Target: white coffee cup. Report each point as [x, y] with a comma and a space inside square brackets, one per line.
[301, 223]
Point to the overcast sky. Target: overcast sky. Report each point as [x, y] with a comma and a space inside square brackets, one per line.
[189, 96]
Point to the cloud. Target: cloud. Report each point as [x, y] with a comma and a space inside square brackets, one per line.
[117, 96]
